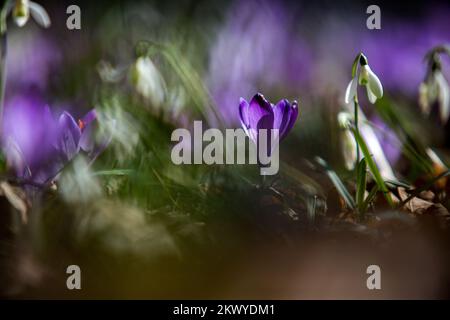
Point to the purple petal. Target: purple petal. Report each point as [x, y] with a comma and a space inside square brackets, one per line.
[87, 126]
[69, 136]
[89, 117]
[260, 115]
[292, 118]
[282, 112]
[260, 108]
[243, 114]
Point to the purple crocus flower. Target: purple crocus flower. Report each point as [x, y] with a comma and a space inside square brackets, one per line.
[38, 146]
[261, 114]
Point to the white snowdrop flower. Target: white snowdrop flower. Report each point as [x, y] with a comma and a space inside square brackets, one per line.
[435, 89]
[148, 81]
[347, 140]
[364, 76]
[443, 97]
[22, 9]
[425, 98]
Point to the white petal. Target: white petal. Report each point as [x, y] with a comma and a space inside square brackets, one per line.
[149, 82]
[344, 119]
[350, 92]
[375, 148]
[39, 14]
[443, 97]
[372, 97]
[21, 21]
[374, 83]
[348, 145]
[364, 75]
[424, 98]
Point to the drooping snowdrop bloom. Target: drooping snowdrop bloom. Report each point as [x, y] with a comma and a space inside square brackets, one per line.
[261, 114]
[22, 9]
[363, 76]
[347, 140]
[148, 81]
[435, 87]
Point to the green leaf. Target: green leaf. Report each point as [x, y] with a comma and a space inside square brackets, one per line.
[369, 198]
[400, 184]
[361, 182]
[372, 166]
[113, 172]
[340, 187]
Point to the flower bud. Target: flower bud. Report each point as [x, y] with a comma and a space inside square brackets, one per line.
[21, 12]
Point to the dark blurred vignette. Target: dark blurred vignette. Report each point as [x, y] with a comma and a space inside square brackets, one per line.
[139, 226]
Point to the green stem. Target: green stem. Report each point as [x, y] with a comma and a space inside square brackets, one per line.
[356, 107]
[3, 51]
[355, 104]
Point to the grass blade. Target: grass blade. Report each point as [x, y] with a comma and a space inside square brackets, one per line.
[340, 187]
[369, 198]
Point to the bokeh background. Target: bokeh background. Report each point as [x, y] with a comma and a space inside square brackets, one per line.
[141, 227]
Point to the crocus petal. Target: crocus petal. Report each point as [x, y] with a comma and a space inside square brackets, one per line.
[259, 108]
[243, 114]
[87, 127]
[69, 136]
[443, 97]
[292, 118]
[87, 138]
[39, 14]
[282, 112]
[350, 92]
[14, 156]
[89, 117]
[374, 83]
[260, 115]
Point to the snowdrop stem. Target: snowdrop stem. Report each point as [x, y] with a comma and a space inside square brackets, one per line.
[356, 107]
[3, 51]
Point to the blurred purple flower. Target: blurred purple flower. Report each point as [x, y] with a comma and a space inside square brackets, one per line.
[261, 114]
[256, 50]
[32, 61]
[38, 146]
